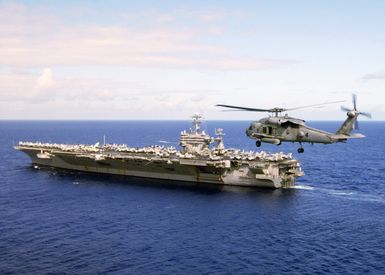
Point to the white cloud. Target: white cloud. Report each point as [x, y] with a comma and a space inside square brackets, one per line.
[27, 87]
[43, 87]
[32, 40]
[45, 80]
[104, 95]
[374, 76]
[122, 46]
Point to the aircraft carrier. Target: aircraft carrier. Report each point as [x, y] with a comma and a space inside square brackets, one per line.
[201, 159]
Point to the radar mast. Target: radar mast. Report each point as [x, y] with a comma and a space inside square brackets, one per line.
[196, 123]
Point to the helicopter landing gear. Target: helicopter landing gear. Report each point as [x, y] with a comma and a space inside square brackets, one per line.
[300, 149]
[258, 143]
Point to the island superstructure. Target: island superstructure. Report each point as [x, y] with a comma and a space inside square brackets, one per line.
[201, 159]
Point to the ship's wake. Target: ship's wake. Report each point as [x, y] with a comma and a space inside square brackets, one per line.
[347, 194]
[302, 187]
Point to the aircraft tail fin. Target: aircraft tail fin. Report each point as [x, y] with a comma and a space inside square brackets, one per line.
[349, 125]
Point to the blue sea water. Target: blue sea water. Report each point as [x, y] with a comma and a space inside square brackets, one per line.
[55, 221]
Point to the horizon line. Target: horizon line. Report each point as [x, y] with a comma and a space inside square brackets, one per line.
[94, 120]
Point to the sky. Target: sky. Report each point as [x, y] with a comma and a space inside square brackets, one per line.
[106, 60]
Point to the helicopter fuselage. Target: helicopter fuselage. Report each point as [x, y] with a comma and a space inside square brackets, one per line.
[283, 128]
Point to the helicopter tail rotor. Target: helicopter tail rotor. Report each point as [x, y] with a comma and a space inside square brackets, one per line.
[354, 113]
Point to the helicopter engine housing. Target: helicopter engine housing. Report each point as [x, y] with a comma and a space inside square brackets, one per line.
[351, 114]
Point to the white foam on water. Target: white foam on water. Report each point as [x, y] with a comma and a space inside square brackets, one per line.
[164, 141]
[360, 197]
[347, 194]
[352, 195]
[75, 182]
[341, 193]
[302, 187]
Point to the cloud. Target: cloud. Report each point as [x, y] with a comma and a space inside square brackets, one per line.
[104, 95]
[28, 87]
[124, 47]
[42, 87]
[42, 50]
[375, 76]
[31, 40]
[212, 14]
[215, 30]
[45, 80]
[204, 15]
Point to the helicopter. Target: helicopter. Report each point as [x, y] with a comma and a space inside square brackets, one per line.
[278, 128]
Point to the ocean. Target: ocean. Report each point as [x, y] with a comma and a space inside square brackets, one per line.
[63, 222]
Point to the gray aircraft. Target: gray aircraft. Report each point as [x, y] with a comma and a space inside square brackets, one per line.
[280, 128]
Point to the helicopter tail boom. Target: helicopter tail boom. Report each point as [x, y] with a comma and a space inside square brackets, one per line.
[348, 125]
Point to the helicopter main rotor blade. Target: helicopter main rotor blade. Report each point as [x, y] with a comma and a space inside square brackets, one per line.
[346, 109]
[314, 105]
[368, 115]
[276, 109]
[235, 110]
[243, 108]
[354, 98]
